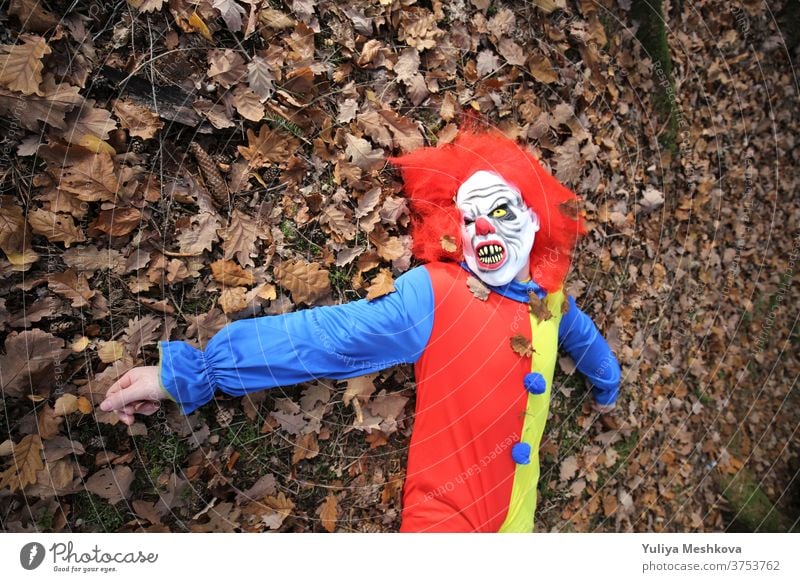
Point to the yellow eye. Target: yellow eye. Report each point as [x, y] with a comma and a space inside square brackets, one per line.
[499, 212]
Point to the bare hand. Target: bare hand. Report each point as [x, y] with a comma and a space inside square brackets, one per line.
[138, 390]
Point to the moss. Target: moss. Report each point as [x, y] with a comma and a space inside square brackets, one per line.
[97, 514]
[652, 33]
[752, 509]
[159, 453]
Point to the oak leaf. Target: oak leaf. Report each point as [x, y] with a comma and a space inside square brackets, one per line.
[306, 281]
[91, 179]
[56, 227]
[111, 483]
[328, 512]
[269, 146]
[382, 284]
[74, 286]
[229, 273]
[522, 346]
[21, 65]
[137, 119]
[27, 463]
[538, 307]
[478, 288]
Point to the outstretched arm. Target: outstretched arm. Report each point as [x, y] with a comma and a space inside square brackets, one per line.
[579, 336]
[335, 342]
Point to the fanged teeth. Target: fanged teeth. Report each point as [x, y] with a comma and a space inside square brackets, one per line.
[490, 254]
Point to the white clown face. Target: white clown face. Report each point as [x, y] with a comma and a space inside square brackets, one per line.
[497, 228]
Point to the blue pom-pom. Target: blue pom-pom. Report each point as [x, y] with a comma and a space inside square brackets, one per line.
[521, 453]
[535, 383]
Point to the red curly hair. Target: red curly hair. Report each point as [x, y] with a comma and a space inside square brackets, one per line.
[432, 176]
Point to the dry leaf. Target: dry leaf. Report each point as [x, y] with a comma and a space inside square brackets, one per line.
[477, 287]
[305, 447]
[268, 147]
[112, 483]
[522, 346]
[229, 273]
[137, 119]
[306, 281]
[26, 465]
[92, 179]
[569, 468]
[66, 404]
[328, 512]
[29, 361]
[538, 307]
[74, 286]
[382, 284]
[110, 351]
[56, 227]
[21, 65]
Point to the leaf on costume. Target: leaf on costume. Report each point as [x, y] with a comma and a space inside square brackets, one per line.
[571, 209]
[538, 307]
[26, 465]
[381, 285]
[477, 288]
[448, 243]
[306, 281]
[564, 306]
[522, 346]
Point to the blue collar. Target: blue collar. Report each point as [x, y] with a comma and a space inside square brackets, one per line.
[515, 290]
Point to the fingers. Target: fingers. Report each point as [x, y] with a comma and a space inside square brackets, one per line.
[123, 397]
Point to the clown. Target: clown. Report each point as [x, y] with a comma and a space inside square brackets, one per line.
[483, 212]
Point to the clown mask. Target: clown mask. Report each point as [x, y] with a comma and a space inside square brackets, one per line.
[497, 228]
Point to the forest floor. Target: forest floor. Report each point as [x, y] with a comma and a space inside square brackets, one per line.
[174, 166]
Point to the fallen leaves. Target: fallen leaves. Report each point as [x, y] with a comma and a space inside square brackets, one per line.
[112, 483]
[307, 282]
[21, 65]
[26, 465]
[328, 512]
[478, 288]
[382, 284]
[268, 147]
[28, 362]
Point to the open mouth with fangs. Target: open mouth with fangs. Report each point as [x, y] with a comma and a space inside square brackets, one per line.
[491, 255]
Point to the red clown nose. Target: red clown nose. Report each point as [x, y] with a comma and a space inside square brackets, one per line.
[483, 227]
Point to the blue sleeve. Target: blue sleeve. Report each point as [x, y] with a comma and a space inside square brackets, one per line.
[336, 342]
[579, 336]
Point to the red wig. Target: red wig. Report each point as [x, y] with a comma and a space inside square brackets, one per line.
[432, 176]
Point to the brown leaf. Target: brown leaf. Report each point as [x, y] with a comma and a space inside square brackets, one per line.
[477, 288]
[26, 465]
[362, 154]
[73, 286]
[47, 422]
[66, 404]
[229, 273]
[269, 146]
[239, 238]
[110, 351]
[91, 259]
[569, 468]
[141, 331]
[389, 247]
[51, 108]
[87, 125]
[448, 243]
[564, 306]
[137, 119]
[405, 133]
[29, 360]
[382, 284]
[538, 307]
[21, 65]
[56, 227]
[232, 299]
[92, 179]
[568, 161]
[305, 447]
[111, 483]
[15, 236]
[306, 281]
[522, 346]
[117, 221]
[328, 512]
[226, 67]
[542, 69]
[248, 104]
